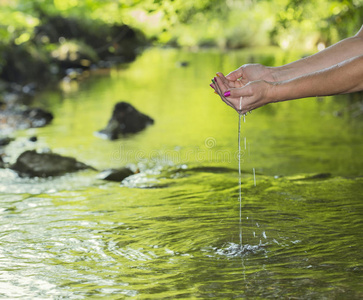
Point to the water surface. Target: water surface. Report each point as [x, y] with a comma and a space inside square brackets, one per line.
[172, 230]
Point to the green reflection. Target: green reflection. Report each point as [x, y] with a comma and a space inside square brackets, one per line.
[77, 237]
[192, 125]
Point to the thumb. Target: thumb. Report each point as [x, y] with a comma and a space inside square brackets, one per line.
[233, 76]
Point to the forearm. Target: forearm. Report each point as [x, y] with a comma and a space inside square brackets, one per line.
[341, 51]
[344, 77]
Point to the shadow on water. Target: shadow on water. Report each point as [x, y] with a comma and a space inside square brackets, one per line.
[172, 230]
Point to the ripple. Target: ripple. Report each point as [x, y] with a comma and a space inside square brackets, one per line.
[237, 250]
[11, 183]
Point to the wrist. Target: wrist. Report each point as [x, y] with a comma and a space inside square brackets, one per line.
[275, 92]
[282, 73]
[271, 74]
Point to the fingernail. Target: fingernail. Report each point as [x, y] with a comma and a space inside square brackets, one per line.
[211, 86]
[227, 94]
[217, 75]
[213, 81]
[215, 92]
[215, 78]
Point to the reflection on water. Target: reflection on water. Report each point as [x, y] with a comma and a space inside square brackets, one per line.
[172, 230]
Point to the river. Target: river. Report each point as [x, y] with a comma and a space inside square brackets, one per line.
[168, 231]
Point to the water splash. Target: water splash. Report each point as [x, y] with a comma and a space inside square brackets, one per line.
[236, 250]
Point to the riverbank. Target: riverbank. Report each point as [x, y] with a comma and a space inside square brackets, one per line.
[58, 49]
[62, 48]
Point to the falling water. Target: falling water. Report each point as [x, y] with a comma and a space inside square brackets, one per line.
[239, 171]
[239, 180]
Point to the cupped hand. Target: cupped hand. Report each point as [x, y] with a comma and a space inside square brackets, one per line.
[248, 97]
[246, 74]
[250, 72]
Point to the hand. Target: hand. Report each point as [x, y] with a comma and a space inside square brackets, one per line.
[248, 97]
[245, 74]
[262, 77]
[250, 72]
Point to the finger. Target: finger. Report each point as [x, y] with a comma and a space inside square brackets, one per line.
[219, 87]
[222, 77]
[222, 83]
[235, 75]
[214, 85]
[228, 103]
[227, 83]
[220, 91]
[237, 92]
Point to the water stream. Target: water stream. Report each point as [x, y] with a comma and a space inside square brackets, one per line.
[171, 230]
[240, 179]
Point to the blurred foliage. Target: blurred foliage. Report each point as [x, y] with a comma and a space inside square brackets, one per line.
[241, 23]
[42, 39]
[231, 23]
[305, 23]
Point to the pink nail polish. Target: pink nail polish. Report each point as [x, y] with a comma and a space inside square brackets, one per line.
[215, 78]
[211, 85]
[227, 94]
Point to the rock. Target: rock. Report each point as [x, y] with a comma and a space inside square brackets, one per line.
[318, 176]
[125, 119]
[33, 139]
[33, 164]
[5, 141]
[182, 64]
[1, 163]
[38, 117]
[213, 169]
[106, 41]
[115, 174]
[20, 117]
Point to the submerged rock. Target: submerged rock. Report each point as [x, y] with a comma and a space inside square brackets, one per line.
[33, 139]
[115, 174]
[33, 164]
[125, 119]
[182, 63]
[319, 176]
[24, 117]
[213, 169]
